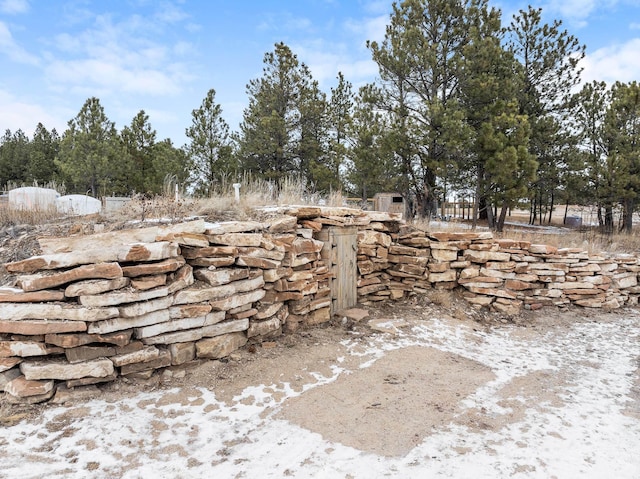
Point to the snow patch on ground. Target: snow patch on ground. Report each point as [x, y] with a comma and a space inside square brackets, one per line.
[583, 434]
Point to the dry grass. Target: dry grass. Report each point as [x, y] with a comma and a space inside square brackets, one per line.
[12, 216]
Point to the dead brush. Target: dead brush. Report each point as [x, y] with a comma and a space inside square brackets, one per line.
[442, 298]
[14, 216]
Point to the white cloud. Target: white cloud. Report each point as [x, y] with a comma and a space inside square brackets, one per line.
[613, 63]
[11, 49]
[16, 114]
[370, 28]
[14, 6]
[128, 56]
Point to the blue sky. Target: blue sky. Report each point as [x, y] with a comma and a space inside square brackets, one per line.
[163, 56]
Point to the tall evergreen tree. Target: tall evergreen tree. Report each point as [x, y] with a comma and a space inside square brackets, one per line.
[210, 148]
[14, 157]
[340, 112]
[269, 132]
[419, 63]
[139, 142]
[43, 152]
[550, 59]
[90, 151]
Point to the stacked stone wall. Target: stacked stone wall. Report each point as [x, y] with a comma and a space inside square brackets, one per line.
[127, 303]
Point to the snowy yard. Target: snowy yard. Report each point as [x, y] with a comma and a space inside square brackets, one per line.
[439, 398]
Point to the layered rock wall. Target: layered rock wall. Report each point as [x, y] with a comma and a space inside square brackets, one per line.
[95, 307]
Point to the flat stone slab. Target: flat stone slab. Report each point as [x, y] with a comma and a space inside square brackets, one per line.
[15, 295]
[34, 327]
[16, 311]
[97, 368]
[91, 271]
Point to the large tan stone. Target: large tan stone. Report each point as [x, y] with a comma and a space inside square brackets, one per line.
[87, 353]
[122, 297]
[198, 333]
[15, 295]
[17, 311]
[162, 361]
[236, 239]
[213, 262]
[118, 238]
[218, 292]
[484, 256]
[189, 310]
[119, 338]
[181, 279]
[147, 269]
[369, 237]
[273, 254]
[625, 280]
[262, 263]
[285, 224]
[182, 353]
[142, 355]
[261, 328]
[95, 286]
[209, 252]
[179, 325]
[238, 300]
[446, 276]
[135, 310]
[221, 346]
[63, 370]
[218, 277]
[8, 363]
[460, 236]
[91, 271]
[226, 227]
[23, 388]
[444, 255]
[125, 253]
[26, 349]
[32, 327]
[123, 323]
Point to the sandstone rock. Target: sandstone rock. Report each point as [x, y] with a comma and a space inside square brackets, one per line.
[138, 309]
[63, 370]
[283, 225]
[444, 255]
[262, 263]
[142, 355]
[8, 363]
[484, 256]
[147, 269]
[368, 237]
[446, 276]
[142, 283]
[8, 376]
[238, 300]
[625, 280]
[196, 334]
[181, 279]
[219, 277]
[122, 297]
[221, 346]
[123, 323]
[209, 252]
[218, 292]
[460, 236]
[261, 328]
[236, 239]
[198, 240]
[233, 227]
[182, 353]
[87, 353]
[126, 253]
[74, 383]
[18, 311]
[119, 338]
[92, 271]
[179, 324]
[31, 327]
[189, 310]
[95, 286]
[162, 361]
[26, 349]
[15, 295]
[21, 387]
[542, 249]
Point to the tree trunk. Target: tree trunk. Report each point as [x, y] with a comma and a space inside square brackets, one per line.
[627, 216]
[501, 219]
[551, 206]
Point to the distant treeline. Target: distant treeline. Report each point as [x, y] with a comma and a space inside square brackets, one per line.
[465, 105]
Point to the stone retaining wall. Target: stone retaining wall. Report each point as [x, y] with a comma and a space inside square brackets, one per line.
[95, 307]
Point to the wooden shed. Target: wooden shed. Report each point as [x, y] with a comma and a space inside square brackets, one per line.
[390, 203]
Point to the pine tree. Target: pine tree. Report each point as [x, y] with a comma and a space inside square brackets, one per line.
[90, 151]
[139, 142]
[210, 148]
[14, 157]
[42, 154]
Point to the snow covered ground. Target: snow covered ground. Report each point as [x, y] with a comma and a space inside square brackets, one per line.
[585, 425]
